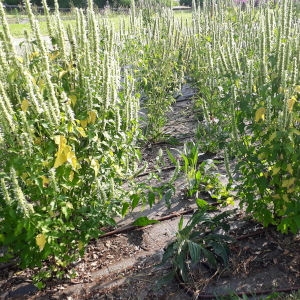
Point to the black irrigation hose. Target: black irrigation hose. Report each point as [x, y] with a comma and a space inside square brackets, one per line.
[198, 295]
[6, 266]
[171, 216]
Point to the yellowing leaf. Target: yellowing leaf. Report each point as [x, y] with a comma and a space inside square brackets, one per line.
[83, 123]
[208, 187]
[61, 141]
[291, 103]
[28, 182]
[53, 56]
[276, 196]
[289, 182]
[40, 241]
[229, 200]
[266, 174]
[45, 181]
[61, 158]
[24, 176]
[24, 105]
[71, 176]
[291, 190]
[34, 54]
[38, 141]
[276, 170]
[95, 166]
[273, 76]
[261, 155]
[297, 88]
[81, 131]
[285, 198]
[61, 74]
[92, 117]
[80, 245]
[73, 99]
[290, 169]
[67, 149]
[69, 205]
[20, 59]
[42, 83]
[260, 114]
[284, 207]
[72, 159]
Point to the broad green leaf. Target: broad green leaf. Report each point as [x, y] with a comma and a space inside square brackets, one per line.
[169, 252]
[151, 199]
[135, 198]
[166, 279]
[143, 221]
[210, 257]
[125, 208]
[201, 203]
[167, 197]
[195, 251]
[180, 261]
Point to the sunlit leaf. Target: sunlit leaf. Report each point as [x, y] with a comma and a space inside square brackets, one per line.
[73, 99]
[60, 160]
[81, 131]
[80, 245]
[291, 103]
[45, 180]
[41, 241]
[287, 183]
[260, 114]
[143, 221]
[24, 105]
[95, 166]
[276, 170]
[92, 116]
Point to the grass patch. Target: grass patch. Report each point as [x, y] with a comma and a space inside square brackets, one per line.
[17, 30]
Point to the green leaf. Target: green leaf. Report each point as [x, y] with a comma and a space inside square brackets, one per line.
[151, 199]
[172, 158]
[220, 250]
[208, 254]
[201, 203]
[195, 219]
[167, 197]
[169, 252]
[180, 261]
[180, 223]
[135, 200]
[166, 279]
[143, 221]
[223, 215]
[195, 251]
[125, 208]
[40, 285]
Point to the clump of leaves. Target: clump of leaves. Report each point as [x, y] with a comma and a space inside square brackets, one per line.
[197, 241]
